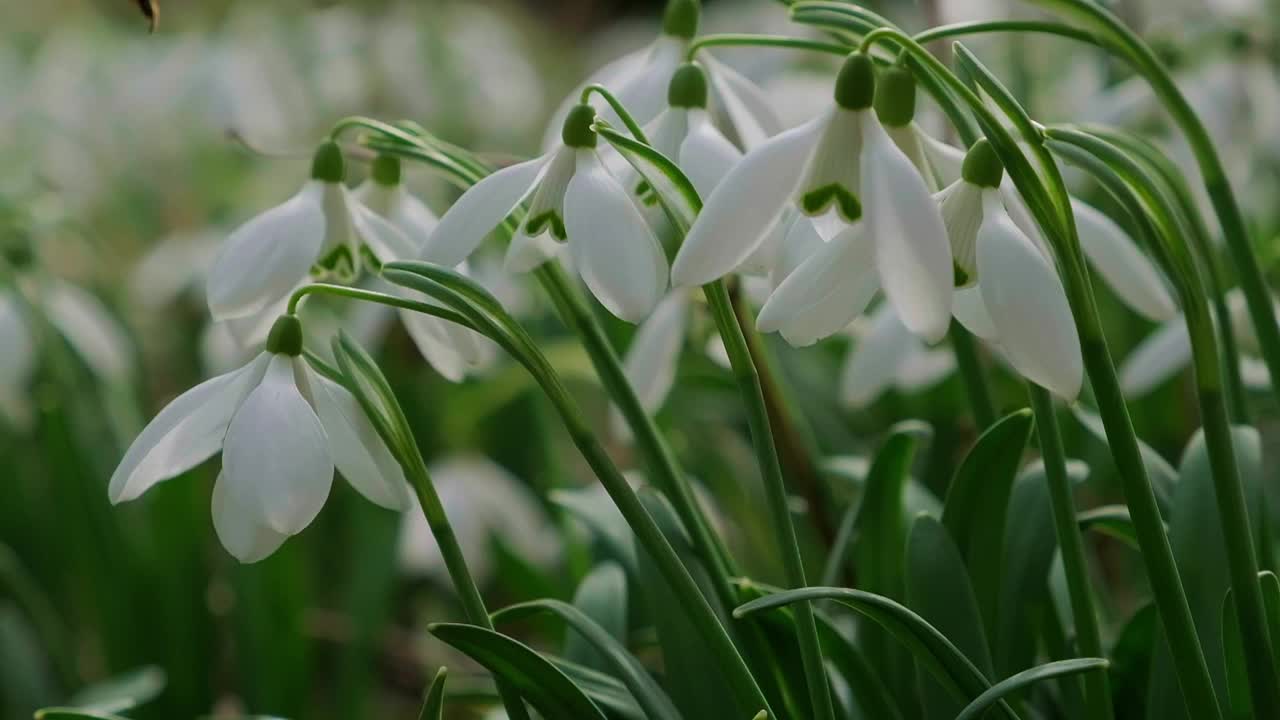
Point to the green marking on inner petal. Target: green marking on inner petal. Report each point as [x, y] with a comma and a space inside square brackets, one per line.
[341, 263]
[819, 200]
[370, 259]
[962, 277]
[646, 194]
[537, 224]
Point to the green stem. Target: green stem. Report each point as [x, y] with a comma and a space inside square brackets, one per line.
[632, 126]
[1071, 545]
[768, 41]
[374, 296]
[1169, 594]
[975, 380]
[748, 378]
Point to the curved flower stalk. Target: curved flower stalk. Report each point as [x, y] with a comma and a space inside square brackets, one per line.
[573, 200]
[639, 80]
[282, 428]
[843, 161]
[1167, 351]
[322, 231]
[485, 502]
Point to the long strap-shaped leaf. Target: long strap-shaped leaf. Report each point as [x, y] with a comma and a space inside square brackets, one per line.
[433, 706]
[648, 693]
[1014, 683]
[929, 646]
[539, 682]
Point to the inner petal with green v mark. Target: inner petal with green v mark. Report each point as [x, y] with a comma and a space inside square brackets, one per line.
[340, 263]
[819, 200]
[546, 221]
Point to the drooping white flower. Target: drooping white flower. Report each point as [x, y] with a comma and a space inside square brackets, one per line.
[1167, 351]
[1008, 291]
[282, 428]
[450, 349]
[651, 359]
[888, 356]
[322, 231]
[484, 502]
[574, 201]
[684, 132]
[843, 161]
[639, 80]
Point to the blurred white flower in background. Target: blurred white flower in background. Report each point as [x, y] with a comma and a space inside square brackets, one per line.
[484, 502]
[886, 355]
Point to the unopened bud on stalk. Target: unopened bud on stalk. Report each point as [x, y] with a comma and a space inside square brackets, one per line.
[688, 87]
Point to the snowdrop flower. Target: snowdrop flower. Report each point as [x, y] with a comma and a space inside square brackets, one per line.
[450, 349]
[639, 80]
[573, 199]
[651, 359]
[483, 502]
[322, 231]
[887, 355]
[1167, 351]
[684, 132]
[282, 428]
[843, 160]
[1008, 291]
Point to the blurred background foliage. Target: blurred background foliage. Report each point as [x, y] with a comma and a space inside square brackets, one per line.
[118, 153]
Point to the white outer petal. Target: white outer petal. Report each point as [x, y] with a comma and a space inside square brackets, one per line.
[240, 529]
[614, 250]
[747, 106]
[386, 241]
[1122, 265]
[185, 433]
[18, 356]
[706, 155]
[801, 240]
[276, 457]
[358, 451]
[924, 368]
[873, 364]
[946, 161]
[912, 254]
[740, 212]
[610, 75]
[968, 307]
[650, 362]
[268, 256]
[1160, 356]
[479, 211]
[1028, 305]
[90, 328]
[825, 293]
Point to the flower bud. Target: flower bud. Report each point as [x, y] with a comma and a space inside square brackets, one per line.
[386, 170]
[327, 164]
[681, 18]
[577, 131]
[896, 97]
[688, 87]
[285, 337]
[982, 166]
[856, 83]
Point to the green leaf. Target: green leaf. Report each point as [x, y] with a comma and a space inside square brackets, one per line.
[620, 663]
[1112, 521]
[123, 692]
[601, 517]
[601, 598]
[938, 588]
[679, 199]
[927, 645]
[605, 690]
[1131, 662]
[433, 705]
[1240, 701]
[1025, 679]
[977, 505]
[68, 713]
[1029, 548]
[532, 676]
[1164, 478]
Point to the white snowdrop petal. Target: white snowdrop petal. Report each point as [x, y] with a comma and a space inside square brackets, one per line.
[1029, 307]
[429, 336]
[276, 456]
[18, 357]
[527, 252]
[747, 107]
[614, 250]
[1254, 373]
[242, 531]
[1157, 358]
[185, 433]
[968, 307]
[610, 75]
[90, 329]
[912, 254]
[644, 92]
[873, 365]
[479, 211]
[386, 241]
[650, 361]
[268, 256]
[825, 293]
[412, 216]
[946, 161]
[924, 368]
[739, 213]
[801, 240]
[1127, 271]
[358, 451]
[706, 156]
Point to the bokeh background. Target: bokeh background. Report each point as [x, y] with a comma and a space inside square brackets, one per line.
[126, 157]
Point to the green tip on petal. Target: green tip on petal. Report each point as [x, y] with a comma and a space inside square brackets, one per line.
[688, 87]
[896, 97]
[681, 18]
[286, 336]
[17, 251]
[386, 170]
[327, 164]
[856, 83]
[577, 127]
[982, 166]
